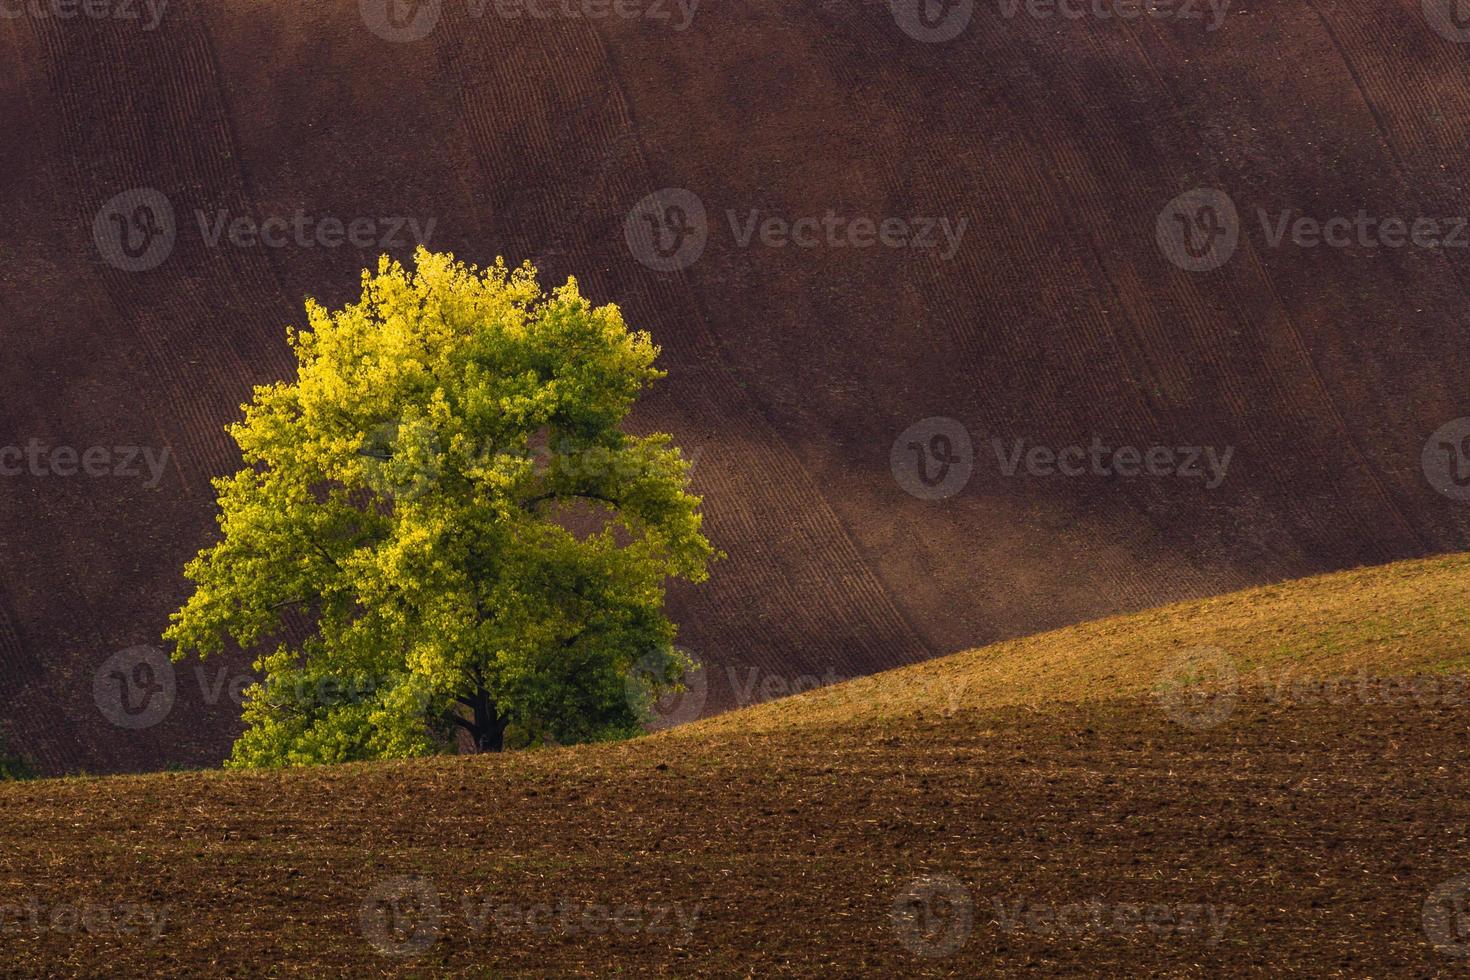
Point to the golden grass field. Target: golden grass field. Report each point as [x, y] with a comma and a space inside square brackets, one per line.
[1412, 617]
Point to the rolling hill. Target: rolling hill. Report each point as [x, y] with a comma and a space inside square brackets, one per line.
[884, 268]
[1306, 815]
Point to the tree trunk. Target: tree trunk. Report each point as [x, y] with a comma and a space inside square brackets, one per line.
[488, 732]
[486, 728]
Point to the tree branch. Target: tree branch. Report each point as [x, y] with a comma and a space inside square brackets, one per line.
[570, 494]
[460, 721]
[323, 551]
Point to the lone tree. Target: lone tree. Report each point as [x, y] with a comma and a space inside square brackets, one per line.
[443, 526]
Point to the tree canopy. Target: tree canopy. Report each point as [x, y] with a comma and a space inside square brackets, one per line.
[442, 526]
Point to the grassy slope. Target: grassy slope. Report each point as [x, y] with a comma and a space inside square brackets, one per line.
[1390, 621]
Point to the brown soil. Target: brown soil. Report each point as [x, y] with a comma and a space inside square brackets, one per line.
[1315, 833]
[793, 370]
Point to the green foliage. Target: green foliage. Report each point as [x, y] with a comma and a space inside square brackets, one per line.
[442, 525]
[13, 767]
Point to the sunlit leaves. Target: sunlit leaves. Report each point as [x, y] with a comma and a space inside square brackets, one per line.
[443, 499]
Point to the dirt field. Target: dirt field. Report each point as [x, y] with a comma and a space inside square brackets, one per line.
[1108, 840]
[1289, 799]
[1055, 319]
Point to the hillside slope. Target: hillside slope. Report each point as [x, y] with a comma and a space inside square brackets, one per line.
[1053, 150]
[1332, 637]
[1322, 832]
